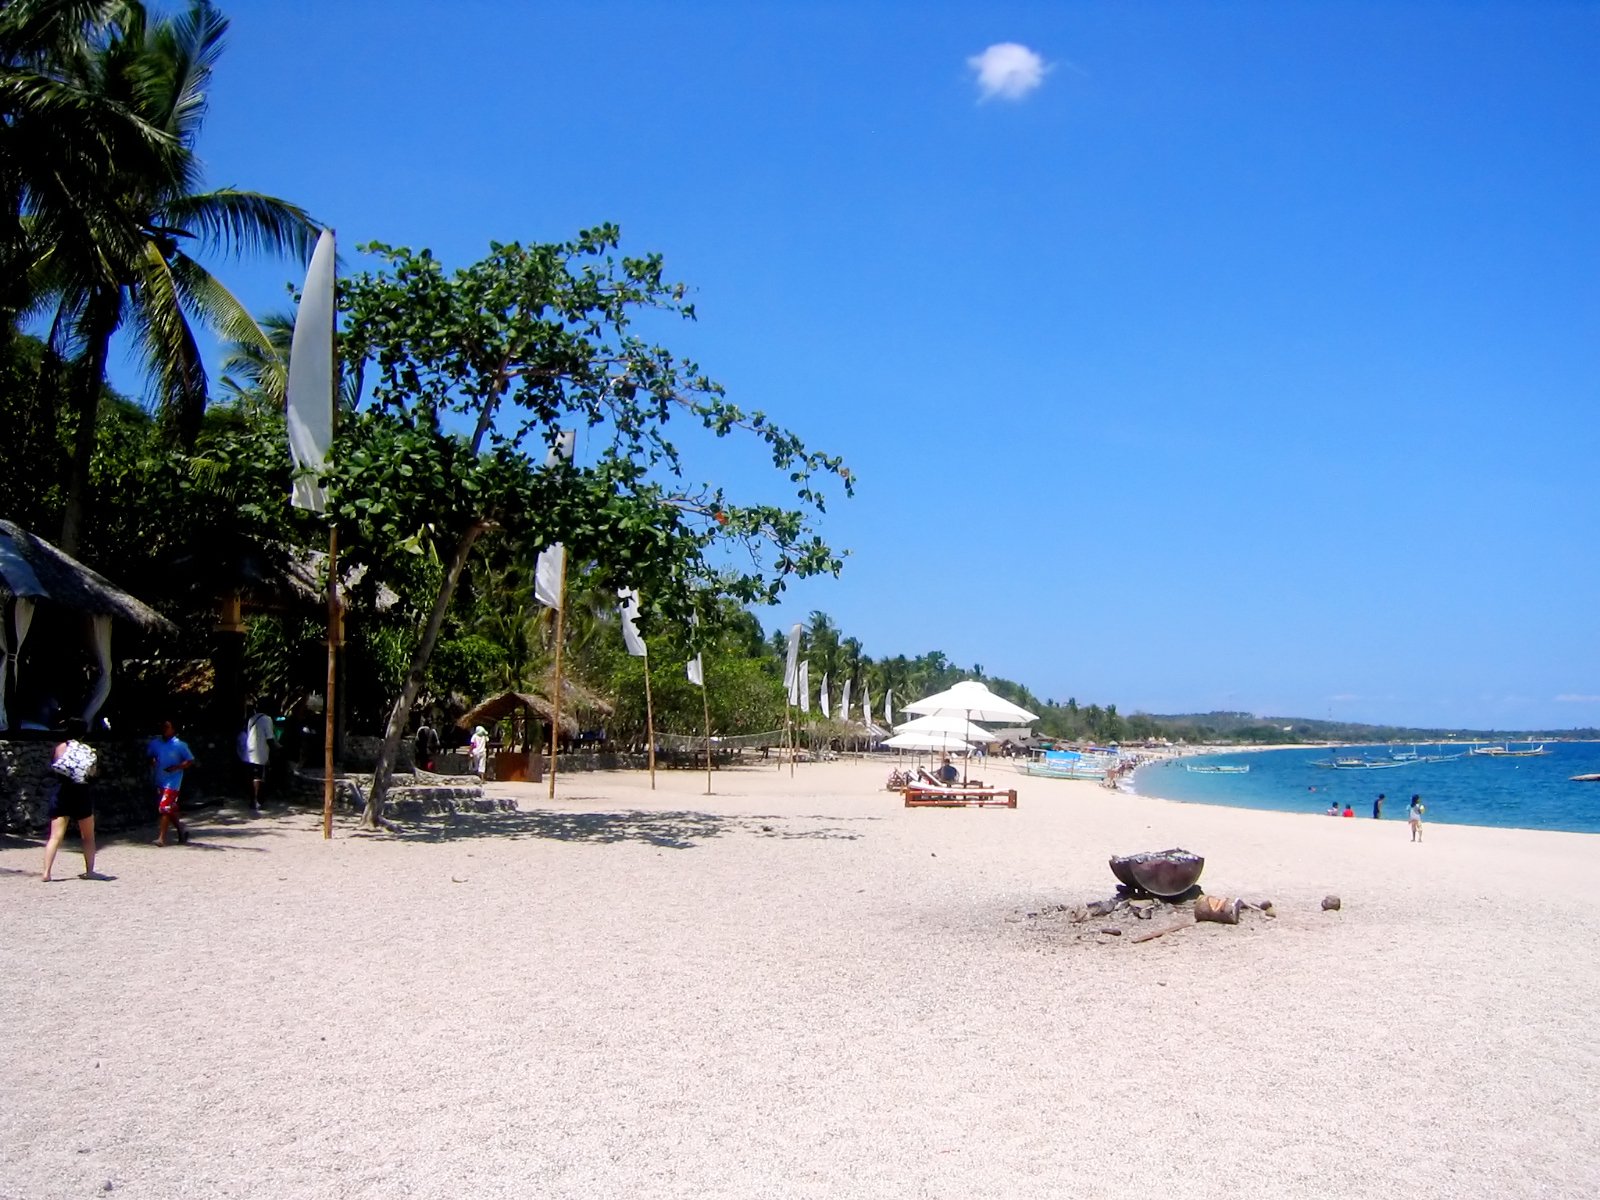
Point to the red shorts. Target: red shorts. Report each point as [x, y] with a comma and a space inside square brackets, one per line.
[169, 801]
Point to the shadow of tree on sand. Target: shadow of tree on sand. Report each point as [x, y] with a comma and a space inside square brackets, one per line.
[681, 830]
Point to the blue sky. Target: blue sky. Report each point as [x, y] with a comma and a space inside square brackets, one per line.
[1243, 356]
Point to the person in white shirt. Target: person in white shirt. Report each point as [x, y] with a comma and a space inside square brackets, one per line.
[255, 750]
[480, 751]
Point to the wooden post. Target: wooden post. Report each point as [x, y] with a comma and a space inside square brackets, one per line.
[650, 722]
[555, 723]
[705, 699]
[333, 661]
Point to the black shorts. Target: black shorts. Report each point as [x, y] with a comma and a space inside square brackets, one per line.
[255, 771]
[72, 801]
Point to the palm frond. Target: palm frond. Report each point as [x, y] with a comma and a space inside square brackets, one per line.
[243, 222]
[164, 338]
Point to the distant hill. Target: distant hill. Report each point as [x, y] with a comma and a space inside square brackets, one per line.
[1251, 727]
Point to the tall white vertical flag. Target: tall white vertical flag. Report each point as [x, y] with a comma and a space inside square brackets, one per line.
[309, 407]
[630, 623]
[791, 669]
[822, 697]
[844, 701]
[888, 709]
[866, 704]
[804, 686]
[696, 669]
[552, 564]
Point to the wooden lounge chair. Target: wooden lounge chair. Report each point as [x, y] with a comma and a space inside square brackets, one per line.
[923, 795]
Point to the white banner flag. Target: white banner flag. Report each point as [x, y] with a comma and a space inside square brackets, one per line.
[630, 623]
[566, 442]
[866, 704]
[805, 686]
[547, 574]
[696, 669]
[844, 702]
[309, 407]
[888, 709]
[822, 697]
[791, 670]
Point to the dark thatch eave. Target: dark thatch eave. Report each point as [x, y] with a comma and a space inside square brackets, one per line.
[33, 569]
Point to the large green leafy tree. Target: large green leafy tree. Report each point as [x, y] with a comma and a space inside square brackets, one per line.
[149, 285]
[473, 373]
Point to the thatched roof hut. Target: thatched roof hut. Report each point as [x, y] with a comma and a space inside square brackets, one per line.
[575, 698]
[35, 574]
[32, 569]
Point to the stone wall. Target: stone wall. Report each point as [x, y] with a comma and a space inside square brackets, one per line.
[122, 791]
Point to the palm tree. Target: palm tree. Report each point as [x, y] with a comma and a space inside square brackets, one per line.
[62, 143]
[159, 70]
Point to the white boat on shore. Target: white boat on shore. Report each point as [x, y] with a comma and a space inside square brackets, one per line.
[1070, 764]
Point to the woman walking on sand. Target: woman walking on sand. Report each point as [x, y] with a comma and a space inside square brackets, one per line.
[1414, 818]
[73, 761]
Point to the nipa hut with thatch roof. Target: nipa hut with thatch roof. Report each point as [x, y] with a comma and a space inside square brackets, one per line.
[48, 593]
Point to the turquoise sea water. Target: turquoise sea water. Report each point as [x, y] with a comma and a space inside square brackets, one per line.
[1525, 793]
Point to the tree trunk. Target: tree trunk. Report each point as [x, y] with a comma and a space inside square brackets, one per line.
[88, 382]
[400, 715]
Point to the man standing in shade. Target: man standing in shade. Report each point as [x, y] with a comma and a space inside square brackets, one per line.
[1377, 808]
[255, 750]
[169, 759]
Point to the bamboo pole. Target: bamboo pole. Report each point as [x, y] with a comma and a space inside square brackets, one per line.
[705, 700]
[650, 722]
[335, 617]
[555, 723]
[333, 661]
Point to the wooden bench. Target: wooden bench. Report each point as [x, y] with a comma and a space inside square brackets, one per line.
[924, 796]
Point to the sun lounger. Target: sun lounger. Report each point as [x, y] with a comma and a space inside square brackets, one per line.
[927, 796]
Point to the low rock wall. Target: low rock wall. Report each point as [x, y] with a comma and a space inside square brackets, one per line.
[122, 790]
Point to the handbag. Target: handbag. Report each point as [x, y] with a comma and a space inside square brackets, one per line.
[75, 762]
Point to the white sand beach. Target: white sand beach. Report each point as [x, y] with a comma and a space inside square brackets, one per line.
[799, 988]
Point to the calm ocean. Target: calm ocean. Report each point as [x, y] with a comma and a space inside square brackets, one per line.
[1524, 793]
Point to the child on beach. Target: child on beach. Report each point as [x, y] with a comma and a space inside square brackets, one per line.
[1348, 811]
[169, 759]
[1414, 818]
[1333, 808]
[1377, 808]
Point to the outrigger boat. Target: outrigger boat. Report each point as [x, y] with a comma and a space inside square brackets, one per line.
[1351, 763]
[1070, 764]
[1506, 751]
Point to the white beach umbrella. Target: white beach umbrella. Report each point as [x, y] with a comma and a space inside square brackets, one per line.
[973, 701]
[953, 723]
[926, 741]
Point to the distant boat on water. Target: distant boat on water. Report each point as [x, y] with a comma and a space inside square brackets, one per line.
[1216, 769]
[1506, 751]
[1396, 758]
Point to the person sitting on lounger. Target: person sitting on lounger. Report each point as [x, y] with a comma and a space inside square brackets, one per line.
[947, 770]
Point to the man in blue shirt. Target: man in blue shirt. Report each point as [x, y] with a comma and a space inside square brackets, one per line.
[169, 759]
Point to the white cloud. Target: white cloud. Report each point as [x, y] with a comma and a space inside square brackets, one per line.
[1576, 698]
[1008, 70]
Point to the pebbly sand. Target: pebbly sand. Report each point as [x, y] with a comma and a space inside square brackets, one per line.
[798, 989]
